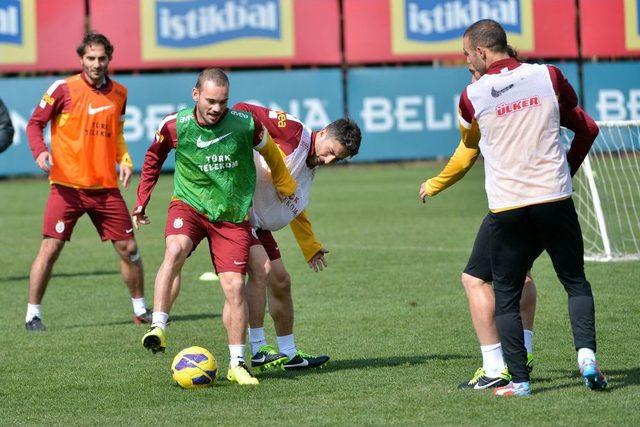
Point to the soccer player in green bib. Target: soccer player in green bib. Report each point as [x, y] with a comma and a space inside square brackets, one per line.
[214, 182]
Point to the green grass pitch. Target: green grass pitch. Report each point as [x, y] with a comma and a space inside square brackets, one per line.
[389, 310]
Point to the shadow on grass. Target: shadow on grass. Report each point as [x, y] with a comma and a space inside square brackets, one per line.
[193, 316]
[378, 362]
[617, 379]
[129, 321]
[78, 274]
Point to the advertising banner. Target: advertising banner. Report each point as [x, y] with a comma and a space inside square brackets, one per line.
[194, 33]
[612, 91]
[411, 112]
[314, 96]
[40, 35]
[423, 30]
[610, 28]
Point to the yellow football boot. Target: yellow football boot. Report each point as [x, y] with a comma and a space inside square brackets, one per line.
[242, 375]
[154, 340]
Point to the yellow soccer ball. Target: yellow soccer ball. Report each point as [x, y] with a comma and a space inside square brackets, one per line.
[194, 367]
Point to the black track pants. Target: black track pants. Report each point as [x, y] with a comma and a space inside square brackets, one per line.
[515, 236]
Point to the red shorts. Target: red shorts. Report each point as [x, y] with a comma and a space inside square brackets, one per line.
[265, 238]
[229, 242]
[105, 207]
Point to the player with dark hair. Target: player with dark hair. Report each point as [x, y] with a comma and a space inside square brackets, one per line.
[87, 143]
[520, 108]
[303, 152]
[214, 182]
[477, 277]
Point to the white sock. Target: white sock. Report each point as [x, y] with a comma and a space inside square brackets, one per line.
[528, 340]
[159, 319]
[287, 345]
[585, 354]
[139, 307]
[236, 354]
[256, 339]
[492, 361]
[33, 310]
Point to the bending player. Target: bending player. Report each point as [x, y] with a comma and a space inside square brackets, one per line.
[268, 279]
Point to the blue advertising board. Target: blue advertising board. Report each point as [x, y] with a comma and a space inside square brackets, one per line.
[411, 112]
[315, 96]
[404, 113]
[612, 90]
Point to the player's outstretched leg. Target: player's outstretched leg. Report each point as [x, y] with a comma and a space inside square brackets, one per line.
[39, 279]
[560, 229]
[281, 310]
[264, 357]
[234, 317]
[133, 275]
[178, 247]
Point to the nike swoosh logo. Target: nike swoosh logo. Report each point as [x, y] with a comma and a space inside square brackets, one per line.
[204, 144]
[497, 93]
[96, 110]
[304, 363]
[239, 263]
[487, 385]
[128, 231]
[262, 359]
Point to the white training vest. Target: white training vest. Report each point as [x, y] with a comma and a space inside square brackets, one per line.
[519, 119]
[268, 211]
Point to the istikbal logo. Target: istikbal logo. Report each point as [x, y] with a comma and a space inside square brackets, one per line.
[18, 32]
[437, 26]
[632, 24]
[221, 29]
[202, 22]
[438, 20]
[11, 21]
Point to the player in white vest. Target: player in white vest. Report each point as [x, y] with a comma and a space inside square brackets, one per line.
[513, 115]
[477, 277]
[268, 278]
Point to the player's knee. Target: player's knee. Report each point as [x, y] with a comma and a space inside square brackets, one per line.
[235, 290]
[280, 283]
[471, 283]
[576, 286]
[50, 249]
[528, 281]
[259, 277]
[128, 250]
[175, 253]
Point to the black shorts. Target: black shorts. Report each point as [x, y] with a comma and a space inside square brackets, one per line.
[479, 264]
